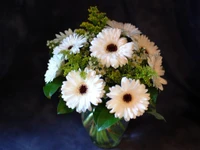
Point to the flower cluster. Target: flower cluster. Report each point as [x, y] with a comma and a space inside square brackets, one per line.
[107, 62]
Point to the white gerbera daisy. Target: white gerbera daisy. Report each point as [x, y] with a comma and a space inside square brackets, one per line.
[54, 66]
[110, 49]
[80, 93]
[115, 24]
[127, 28]
[73, 43]
[61, 35]
[145, 43]
[128, 101]
[155, 62]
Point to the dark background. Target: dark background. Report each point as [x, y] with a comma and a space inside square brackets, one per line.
[28, 120]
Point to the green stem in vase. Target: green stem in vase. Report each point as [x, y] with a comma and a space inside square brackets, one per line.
[105, 136]
[89, 118]
[93, 130]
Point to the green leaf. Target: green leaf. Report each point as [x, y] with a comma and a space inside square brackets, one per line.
[83, 74]
[103, 118]
[62, 108]
[153, 95]
[156, 115]
[50, 88]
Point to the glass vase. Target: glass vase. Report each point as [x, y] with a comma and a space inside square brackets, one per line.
[107, 138]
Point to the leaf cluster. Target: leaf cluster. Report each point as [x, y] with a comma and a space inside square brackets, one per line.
[74, 62]
[96, 22]
[144, 74]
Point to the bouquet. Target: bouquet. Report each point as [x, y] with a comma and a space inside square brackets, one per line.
[105, 68]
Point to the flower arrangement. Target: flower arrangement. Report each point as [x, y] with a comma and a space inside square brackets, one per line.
[106, 67]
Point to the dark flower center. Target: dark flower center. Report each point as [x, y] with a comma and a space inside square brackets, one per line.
[69, 47]
[83, 89]
[127, 98]
[111, 48]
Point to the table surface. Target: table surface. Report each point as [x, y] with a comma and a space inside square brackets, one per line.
[52, 132]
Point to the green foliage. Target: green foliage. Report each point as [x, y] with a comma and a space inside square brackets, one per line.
[144, 74]
[156, 114]
[83, 74]
[103, 118]
[81, 31]
[51, 44]
[75, 62]
[152, 107]
[50, 88]
[94, 61]
[114, 75]
[96, 22]
[127, 70]
[153, 95]
[62, 108]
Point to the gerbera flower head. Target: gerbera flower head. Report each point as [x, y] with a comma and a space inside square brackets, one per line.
[145, 43]
[62, 35]
[127, 28]
[110, 49]
[155, 62]
[115, 24]
[73, 43]
[54, 67]
[128, 100]
[80, 92]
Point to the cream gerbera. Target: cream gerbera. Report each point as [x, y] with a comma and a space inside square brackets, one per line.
[80, 93]
[110, 49]
[73, 43]
[128, 100]
[155, 62]
[145, 43]
[54, 67]
[127, 28]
